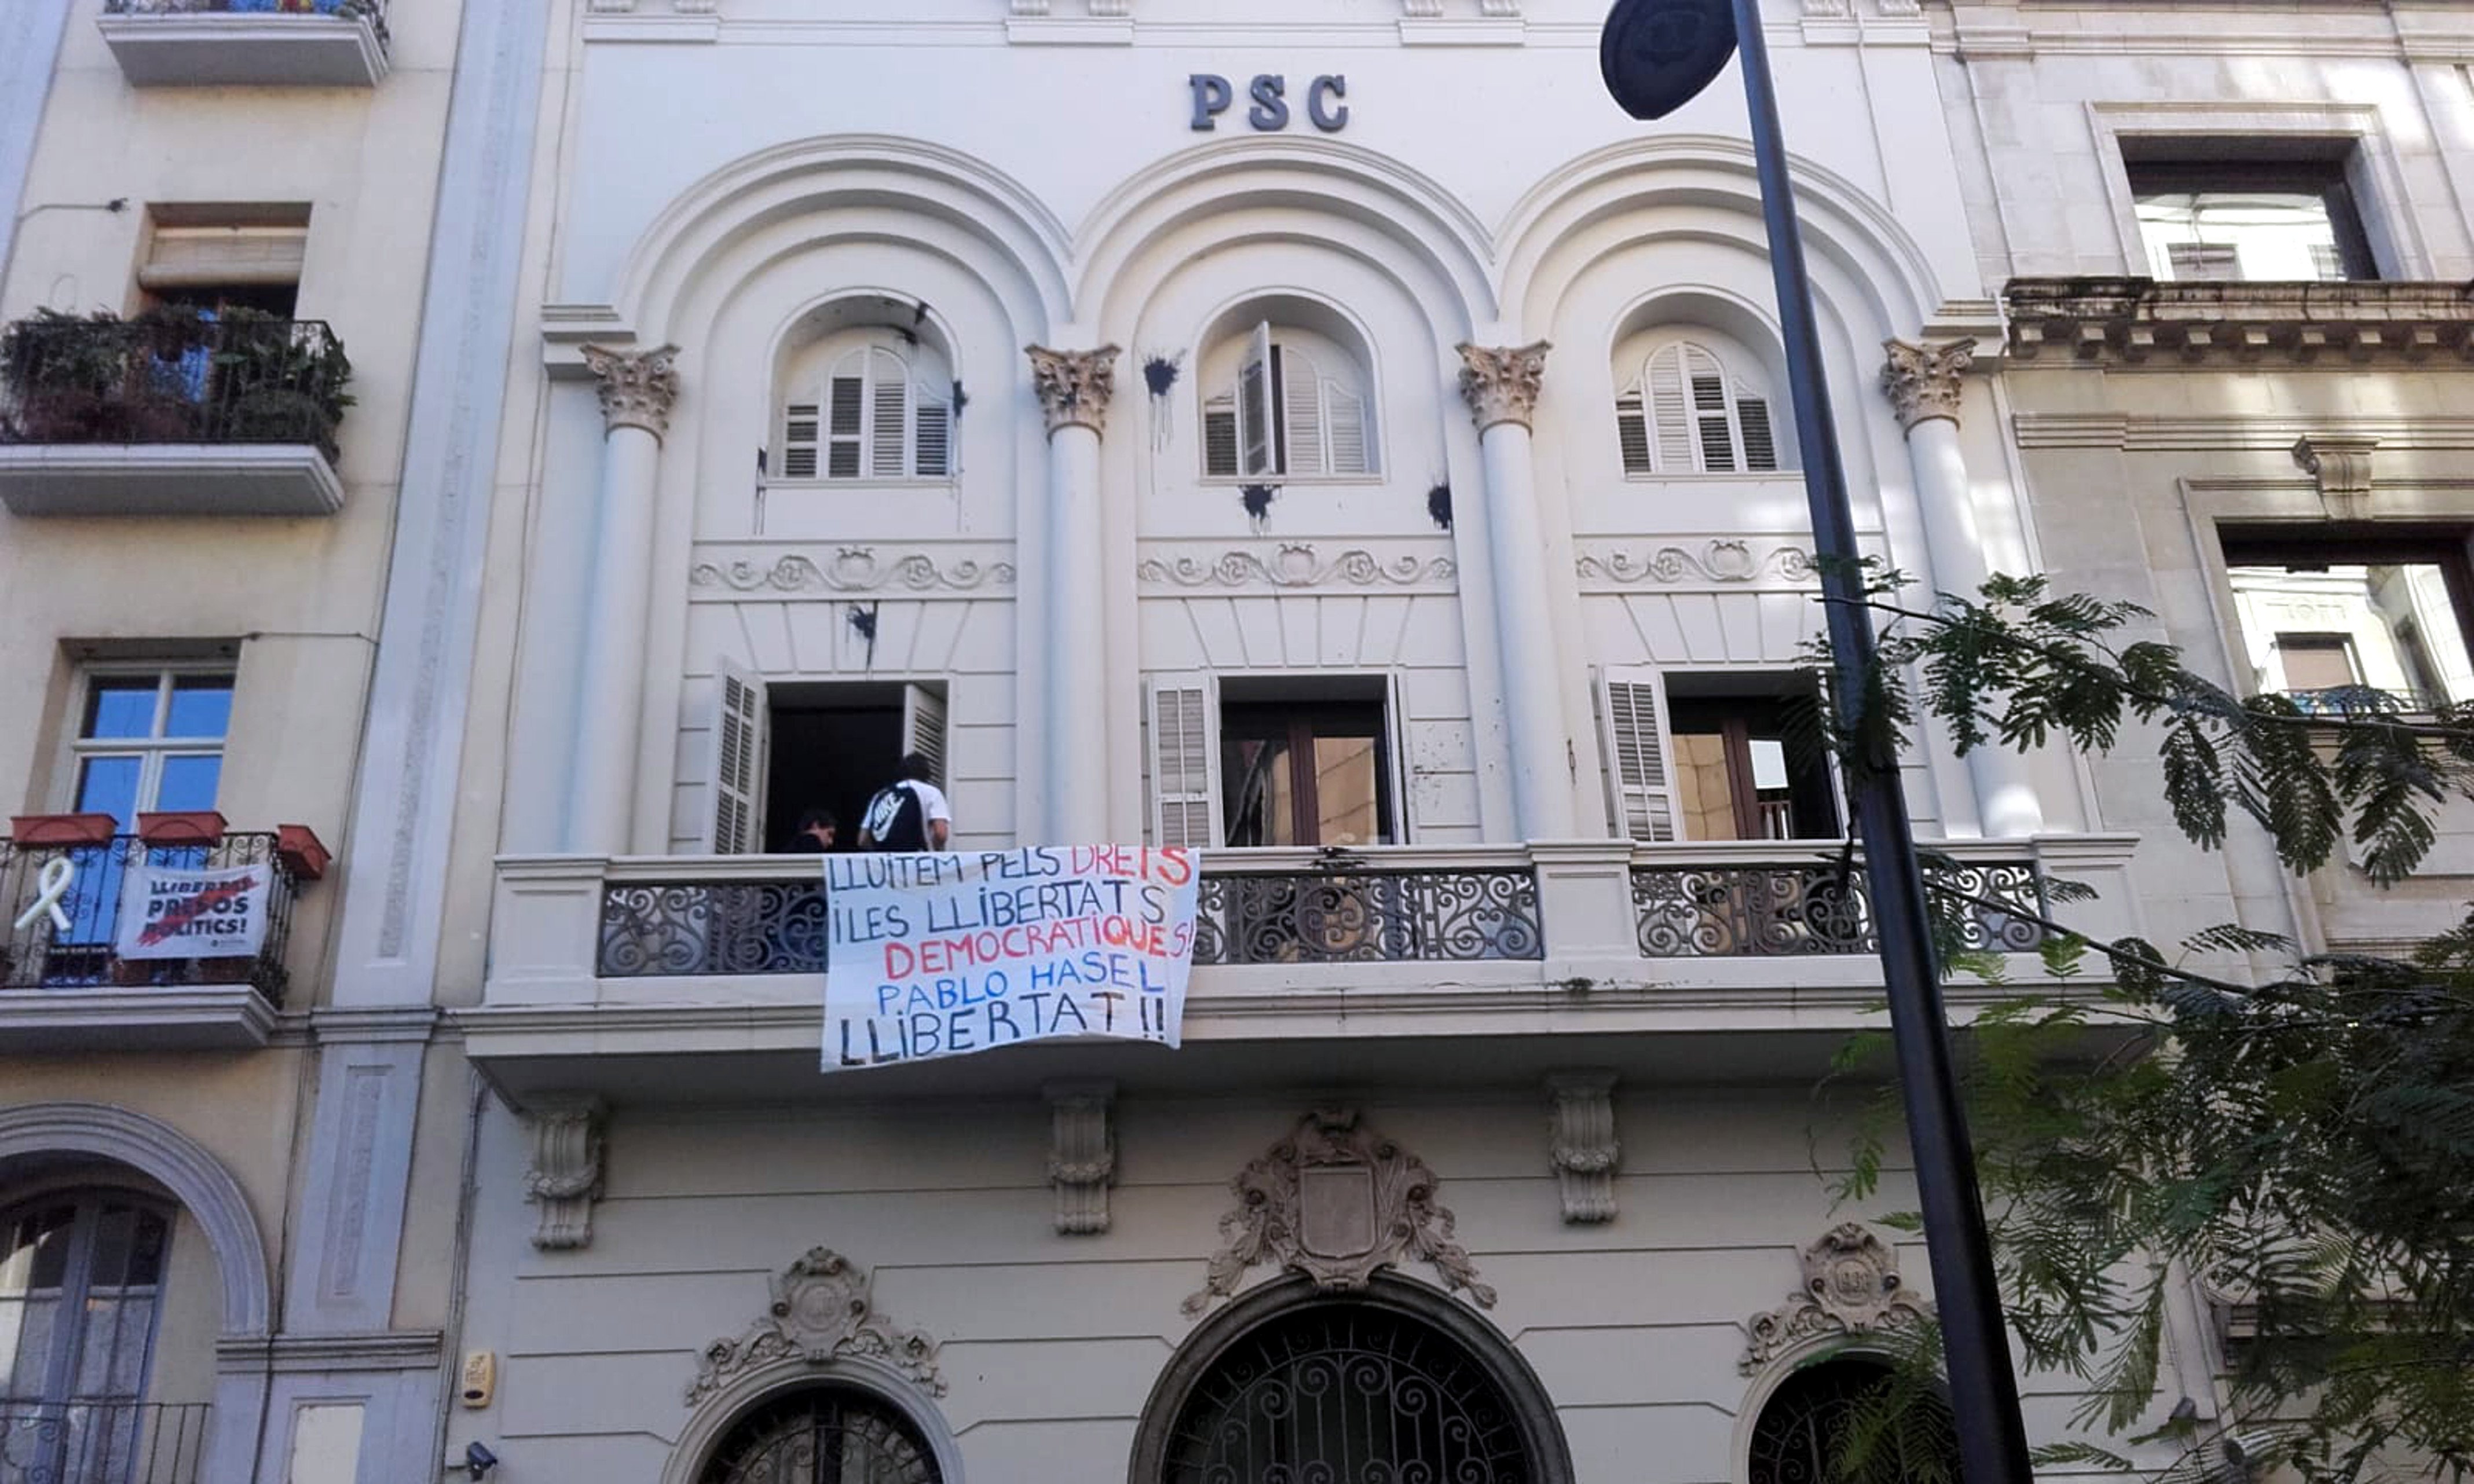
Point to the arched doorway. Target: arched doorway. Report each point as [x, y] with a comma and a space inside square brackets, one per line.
[1808, 1427]
[822, 1435]
[1393, 1384]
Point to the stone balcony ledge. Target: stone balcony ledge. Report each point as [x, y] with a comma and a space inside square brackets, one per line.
[2129, 320]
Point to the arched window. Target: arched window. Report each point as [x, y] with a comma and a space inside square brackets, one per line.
[867, 404]
[1347, 1391]
[1287, 402]
[1692, 410]
[1810, 1426]
[81, 1286]
[822, 1435]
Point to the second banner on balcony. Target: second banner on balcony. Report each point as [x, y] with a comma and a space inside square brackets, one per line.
[945, 955]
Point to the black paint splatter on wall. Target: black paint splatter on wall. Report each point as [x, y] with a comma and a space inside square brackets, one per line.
[1438, 506]
[1257, 499]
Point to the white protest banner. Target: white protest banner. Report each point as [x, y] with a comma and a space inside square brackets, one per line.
[942, 955]
[171, 913]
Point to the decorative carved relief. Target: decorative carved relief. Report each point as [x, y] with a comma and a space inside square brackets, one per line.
[1073, 386]
[1500, 383]
[1583, 1147]
[820, 1311]
[638, 387]
[566, 1175]
[2342, 465]
[1921, 377]
[1850, 1286]
[1721, 561]
[1296, 566]
[1337, 1202]
[852, 569]
[1081, 1154]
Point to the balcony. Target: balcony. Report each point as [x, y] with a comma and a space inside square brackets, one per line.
[104, 1442]
[280, 43]
[170, 413]
[599, 968]
[65, 982]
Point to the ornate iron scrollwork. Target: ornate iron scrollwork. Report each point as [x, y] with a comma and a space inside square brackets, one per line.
[735, 927]
[1782, 911]
[1346, 915]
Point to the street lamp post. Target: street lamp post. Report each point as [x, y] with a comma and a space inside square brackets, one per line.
[1656, 55]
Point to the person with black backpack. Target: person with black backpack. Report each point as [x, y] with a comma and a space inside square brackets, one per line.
[909, 814]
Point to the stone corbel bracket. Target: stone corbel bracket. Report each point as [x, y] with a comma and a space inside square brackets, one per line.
[566, 1175]
[822, 1311]
[2341, 465]
[1338, 1203]
[1851, 1287]
[1583, 1148]
[1081, 1154]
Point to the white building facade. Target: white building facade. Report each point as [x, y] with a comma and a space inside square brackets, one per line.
[1332, 437]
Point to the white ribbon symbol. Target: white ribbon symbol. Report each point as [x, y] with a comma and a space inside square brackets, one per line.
[54, 884]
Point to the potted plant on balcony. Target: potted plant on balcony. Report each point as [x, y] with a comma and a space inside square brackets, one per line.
[284, 380]
[63, 373]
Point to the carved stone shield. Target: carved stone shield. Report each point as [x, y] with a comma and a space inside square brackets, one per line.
[1336, 1210]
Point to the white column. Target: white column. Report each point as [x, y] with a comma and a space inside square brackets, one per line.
[636, 391]
[1074, 389]
[1923, 382]
[1501, 387]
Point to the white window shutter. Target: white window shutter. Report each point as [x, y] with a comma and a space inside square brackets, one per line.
[800, 427]
[1669, 413]
[1301, 411]
[1345, 414]
[1632, 432]
[738, 727]
[888, 415]
[1712, 425]
[1396, 761]
[933, 446]
[923, 728]
[1219, 436]
[1639, 757]
[846, 418]
[1185, 761]
[1257, 448]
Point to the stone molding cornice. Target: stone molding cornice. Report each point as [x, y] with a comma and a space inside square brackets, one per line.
[2125, 320]
[1073, 386]
[1500, 383]
[1921, 377]
[2341, 464]
[638, 387]
[1581, 1147]
[566, 1175]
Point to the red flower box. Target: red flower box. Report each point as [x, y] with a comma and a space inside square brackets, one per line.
[182, 827]
[300, 851]
[62, 829]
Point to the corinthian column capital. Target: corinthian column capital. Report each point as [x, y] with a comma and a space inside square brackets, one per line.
[636, 386]
[1500, 383]
[1073, 386]
[1922, 378]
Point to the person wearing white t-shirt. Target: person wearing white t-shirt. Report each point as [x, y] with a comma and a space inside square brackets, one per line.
[909, 814]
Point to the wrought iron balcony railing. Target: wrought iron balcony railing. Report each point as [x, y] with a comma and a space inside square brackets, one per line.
[102, 1442]
[372, 11]
[43, 955]
[1758, 909]
[169, 377]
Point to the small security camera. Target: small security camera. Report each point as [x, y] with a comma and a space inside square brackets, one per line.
[479, 1460]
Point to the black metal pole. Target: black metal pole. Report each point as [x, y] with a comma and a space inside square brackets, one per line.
[1984, 1393]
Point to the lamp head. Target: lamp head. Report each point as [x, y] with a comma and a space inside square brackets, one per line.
[1657, 56]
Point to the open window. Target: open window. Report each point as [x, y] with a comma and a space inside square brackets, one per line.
[1283, 760]
[1695, 405]
[219, 258]
[2347, 622]
[1712, 755]
[782, 750]
[1285, 402]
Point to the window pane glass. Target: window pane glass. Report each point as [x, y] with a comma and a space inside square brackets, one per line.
[189, 780]
[1260, 793]
[2387, 626]
[108, 785]
[1702, 790]
[2260, 236]
[200, 705]
[1344, 797]
[120, 706]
